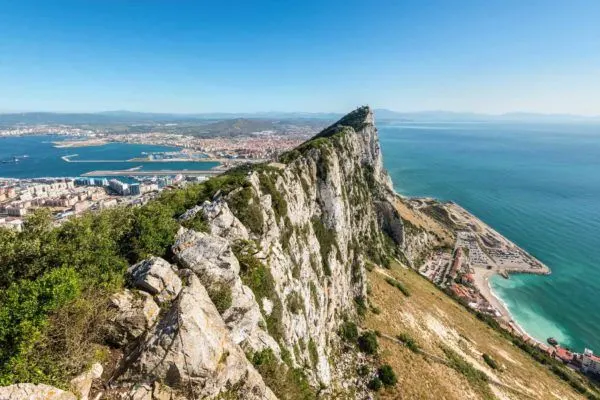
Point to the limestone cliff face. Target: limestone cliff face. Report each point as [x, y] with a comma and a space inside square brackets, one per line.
[317, 216]
[276, 266]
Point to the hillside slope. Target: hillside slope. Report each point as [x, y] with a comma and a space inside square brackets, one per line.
[252, 285]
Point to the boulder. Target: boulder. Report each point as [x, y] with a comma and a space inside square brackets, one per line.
[135, 313]
[210, 257]
[29, 391]
[82, 384]
[157, 277]
[191, 348]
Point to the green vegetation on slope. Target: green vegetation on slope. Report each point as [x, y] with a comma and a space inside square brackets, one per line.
[51, 277]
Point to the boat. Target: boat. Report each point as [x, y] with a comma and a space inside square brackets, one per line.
[552, 341]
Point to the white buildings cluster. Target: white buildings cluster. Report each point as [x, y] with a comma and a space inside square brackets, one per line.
[65, 196]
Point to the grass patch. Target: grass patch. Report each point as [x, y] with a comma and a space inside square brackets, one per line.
[477, 379]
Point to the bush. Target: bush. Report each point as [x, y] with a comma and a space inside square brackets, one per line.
[24, 310]
[245, 205]
[476, 378]
[259, 279]
[294, 303]
[197, 222]
[490, 361]
[221, 297]
[349, 332]
[363, 370]
[312, 351]
[284, 381]
[367, 343]
[409, 342]
[326, 238]
[361, 307]
[398, 285]
[375, 384]
[387, 375]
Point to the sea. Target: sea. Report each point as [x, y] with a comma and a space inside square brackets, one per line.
[37, 157]
[538, 185]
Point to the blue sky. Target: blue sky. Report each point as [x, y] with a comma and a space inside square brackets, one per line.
[205, 56]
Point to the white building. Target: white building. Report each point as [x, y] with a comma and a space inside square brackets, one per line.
[590, 362]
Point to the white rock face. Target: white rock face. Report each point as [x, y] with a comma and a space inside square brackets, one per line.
[82, 384]
[157, 277]
[29, 391]
[135, 313]
[191, 347]
[213, 261]
[315, 250]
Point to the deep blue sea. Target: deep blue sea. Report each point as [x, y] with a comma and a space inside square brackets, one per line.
[539, 185]
[44, 160]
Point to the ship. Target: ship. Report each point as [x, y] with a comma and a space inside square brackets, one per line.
[552, 341]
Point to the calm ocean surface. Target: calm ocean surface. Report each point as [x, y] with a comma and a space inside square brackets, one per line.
[45, 161]
[539, 185]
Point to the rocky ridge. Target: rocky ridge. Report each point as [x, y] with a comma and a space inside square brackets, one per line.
[277, 265]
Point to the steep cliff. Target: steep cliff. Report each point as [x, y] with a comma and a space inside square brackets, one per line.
[282, 255]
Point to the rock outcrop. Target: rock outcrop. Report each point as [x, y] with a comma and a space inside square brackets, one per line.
[157, 277]
[29, 391]
[135, 313]
[191, 349]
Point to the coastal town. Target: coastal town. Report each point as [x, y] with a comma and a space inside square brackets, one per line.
[99, 189]
[478, 253]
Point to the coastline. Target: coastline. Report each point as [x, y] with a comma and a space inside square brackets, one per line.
[490, 253]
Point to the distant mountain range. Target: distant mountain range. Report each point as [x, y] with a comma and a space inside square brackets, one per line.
[130, 117]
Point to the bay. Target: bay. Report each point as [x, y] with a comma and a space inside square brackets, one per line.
[44, 160]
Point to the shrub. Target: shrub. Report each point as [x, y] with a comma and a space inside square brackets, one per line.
[363, 370]
[490, 361]
[398, 285]
[221, 297]
[197, 222]
[259, 279]
[312, 351]
[245, 205]
[367, 343]
[349, 331]
[375, 384]
[361, 307]
[326, 238]
[476, 378]
[387, 375]
[409, 342]
[294, 303]
[267, 185]
[284, 381]
[24, 310]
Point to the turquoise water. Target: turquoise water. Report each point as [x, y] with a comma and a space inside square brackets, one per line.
[45, 161]
[539, 185]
